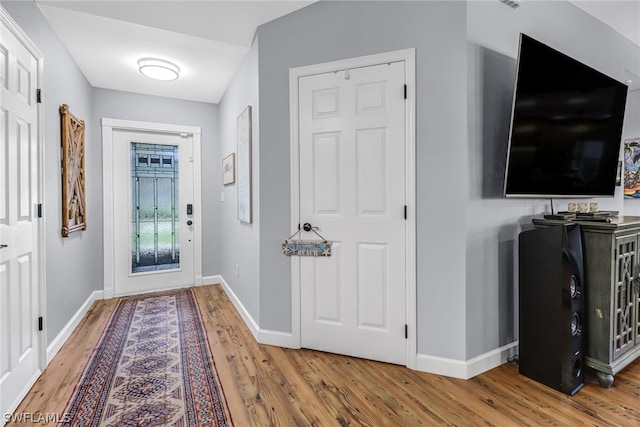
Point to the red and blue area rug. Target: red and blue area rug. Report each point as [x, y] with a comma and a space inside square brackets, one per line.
[151, 367]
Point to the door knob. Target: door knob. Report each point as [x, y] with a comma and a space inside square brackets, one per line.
[189, 222]
[307, 227]
[4, 246]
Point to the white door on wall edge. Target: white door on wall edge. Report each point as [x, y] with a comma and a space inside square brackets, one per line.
[352, 187]
[154, 214]
[21, 285]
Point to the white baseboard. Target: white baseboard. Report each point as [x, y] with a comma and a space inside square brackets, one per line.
[263, 336]
[276, 338]
[14, 405]
[109, 292]
[63, 336]
[211, 280]
[469, 368]
[425, 363]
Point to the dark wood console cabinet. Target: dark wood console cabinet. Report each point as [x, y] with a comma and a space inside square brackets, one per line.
[612, 286]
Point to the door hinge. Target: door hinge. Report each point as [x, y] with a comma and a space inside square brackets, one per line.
[406, 331]
[405, 211]
[39, 210]
[39, 96]
[40, 323]
[405, 91]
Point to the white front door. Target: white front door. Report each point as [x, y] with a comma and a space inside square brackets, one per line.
[352, 187]
[153, 178]
[21, 348]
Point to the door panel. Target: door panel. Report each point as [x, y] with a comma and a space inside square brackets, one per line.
[326, 173]
[5, 320]
[371, 178]
[352, 171]
[624, 305]
[372, 286]
[20, 347]
[327, 286]
[154, 244]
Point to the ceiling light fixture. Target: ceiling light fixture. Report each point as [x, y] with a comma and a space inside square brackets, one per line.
[158, 69]
[513, 4]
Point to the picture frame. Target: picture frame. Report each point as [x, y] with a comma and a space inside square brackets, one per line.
[74, 204]
[631, 173]
[229, 169]
[243, 171]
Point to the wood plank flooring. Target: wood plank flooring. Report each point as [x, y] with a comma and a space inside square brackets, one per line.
[272, 386]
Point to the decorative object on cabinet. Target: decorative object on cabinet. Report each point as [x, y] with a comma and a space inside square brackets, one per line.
[612, 293]
[631, 168]
[229, 169]
[244, 165]
[73, 173]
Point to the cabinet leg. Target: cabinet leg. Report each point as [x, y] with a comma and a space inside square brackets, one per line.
[605, 380]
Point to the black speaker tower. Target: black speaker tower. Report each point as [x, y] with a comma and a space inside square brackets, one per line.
[551, 309]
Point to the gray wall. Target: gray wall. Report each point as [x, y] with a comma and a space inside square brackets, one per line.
[239, 240]
[131, 106]
[73, 264]
[466, 231]
[494, 222]
[327, 31]
[632, 130]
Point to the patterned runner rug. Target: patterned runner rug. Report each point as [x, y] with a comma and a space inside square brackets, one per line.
[151, 367]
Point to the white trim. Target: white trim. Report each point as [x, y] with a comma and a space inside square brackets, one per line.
[410, 197]
[71, 325]
[108, 191]
[262, 336]
[150, 291]
[107, 222]
[133, 125]
[26, 41]
[211, 280]
[11, 408]
[242, 311]
[294, 163]
[276, 338]
[408, 57]
[466, 369]
[197, 207]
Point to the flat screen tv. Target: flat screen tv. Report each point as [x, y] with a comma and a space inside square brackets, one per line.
[566, 127]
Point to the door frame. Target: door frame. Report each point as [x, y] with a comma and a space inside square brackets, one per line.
[108, 126]
[40, 250]
[408, 56]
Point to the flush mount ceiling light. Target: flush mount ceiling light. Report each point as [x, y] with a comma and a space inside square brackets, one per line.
[158, 69]
[513, 4]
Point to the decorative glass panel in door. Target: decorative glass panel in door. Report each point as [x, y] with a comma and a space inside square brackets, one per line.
[155, 231]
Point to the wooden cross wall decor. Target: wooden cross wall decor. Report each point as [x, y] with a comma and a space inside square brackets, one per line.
[73, 189]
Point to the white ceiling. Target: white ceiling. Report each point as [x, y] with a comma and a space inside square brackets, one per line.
[621, 15]
[207, 39]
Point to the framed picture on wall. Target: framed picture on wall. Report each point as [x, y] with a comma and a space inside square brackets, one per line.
[229, 169]
[244, 165]
[631, 173]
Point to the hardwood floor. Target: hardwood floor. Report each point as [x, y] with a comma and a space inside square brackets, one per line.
[272, 386]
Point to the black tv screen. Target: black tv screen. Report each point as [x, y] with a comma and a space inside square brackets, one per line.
[566, 127]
